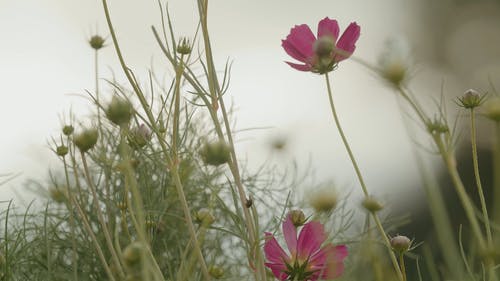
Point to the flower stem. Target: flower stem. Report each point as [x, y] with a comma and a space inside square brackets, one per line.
[478, 178]
[496, 177]
[402, 265]
[361, 181]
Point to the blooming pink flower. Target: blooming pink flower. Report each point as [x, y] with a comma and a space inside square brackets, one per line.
[307, 259]
[321, 54]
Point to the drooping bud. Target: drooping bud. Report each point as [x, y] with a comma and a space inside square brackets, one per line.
[86, 140]
[216, 272]
[298, 218]
[215, 153]
[400, 243]
[119, 111]
[204, 216]
[492, 108]
[62, 150]
[68, 130]
[471, 99]
[324, 200]
[371, 204]
[139, 136]
[96, 42]
[184, 46]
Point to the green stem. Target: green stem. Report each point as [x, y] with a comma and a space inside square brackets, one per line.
[361, 180]
[71, 222]
[496, 179]
[402, 265]
[478, 178]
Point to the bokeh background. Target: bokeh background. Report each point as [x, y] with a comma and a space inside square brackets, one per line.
[46, 65]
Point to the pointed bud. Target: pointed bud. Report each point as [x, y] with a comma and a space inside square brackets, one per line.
[68, 130]
[324, 200]
[492, 108]
[119, 111]
[371, 204]
[470, 99]
[184, 46]
[298, 218]
[86, 140]
[96, 42]
[215, 153]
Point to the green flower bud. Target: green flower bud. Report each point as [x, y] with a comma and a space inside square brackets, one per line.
[216, 272]
[215, 153]
[68, 130]
[96, 42]
[324, 201]
[184, 46]
[371, 204]
[86, 140]
[138, 137]
[400, 243]
[205, 217]
[492, 108]
[471, 99]
[298, 218]
[62, 150]
[132, 254]
[119, 111]
[57, 194]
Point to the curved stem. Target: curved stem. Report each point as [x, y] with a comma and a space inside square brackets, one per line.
[361, 180]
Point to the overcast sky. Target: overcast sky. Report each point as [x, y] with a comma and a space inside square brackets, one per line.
[46, 65]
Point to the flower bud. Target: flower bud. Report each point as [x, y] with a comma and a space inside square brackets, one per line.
[492, 108]
[205, 216]
[471, 99]
[324, 200]
[62, 150]
[437, 127]
[298, 218]
[371, 204]
[216, 272]
[86, 140]
[96, 42]
[394, 61]
[68, 130]
[119, 111]
[215, 153]
[132, 254]
[56, 194]
[184, 47]
[400, 243]
[139, 136]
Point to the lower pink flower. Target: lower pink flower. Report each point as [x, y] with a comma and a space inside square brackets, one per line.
[307, 259]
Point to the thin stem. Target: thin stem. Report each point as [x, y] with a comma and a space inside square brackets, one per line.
[496, 179]
[361, 180]
[402, 265]
[71, 223]
[478, 178]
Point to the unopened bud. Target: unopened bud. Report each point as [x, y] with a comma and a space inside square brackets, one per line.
[215, 153]
[139, 136]
[437, 127]
[492, 108]
[96, 42]
[205, 216]
[394, 61]
[184, 46]
[62, 150]
[86, 140]
[324, 200]
[56, 194]
[471, 99]
[297, 217]
[132, 254]
[119, 111]
[371, 204]
[400, 243]
[68, 130]
[216, 272]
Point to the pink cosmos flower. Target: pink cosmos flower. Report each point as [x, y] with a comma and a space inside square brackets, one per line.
[307, 259]
[321, 54]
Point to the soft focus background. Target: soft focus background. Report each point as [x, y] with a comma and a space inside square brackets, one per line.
[46, 65]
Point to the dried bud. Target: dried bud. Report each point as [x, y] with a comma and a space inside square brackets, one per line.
[96, 42]
[324, 200]
[184, 46]
[139, 136]
[215, 153]
[400, 243]
[216, 272]
[298, 218]
[132, 254]
[371, 204]
[68, 130]
[86, 140]
[471, 99]
[62, 150]
[492, 108]
[205, 216]
[119, 111]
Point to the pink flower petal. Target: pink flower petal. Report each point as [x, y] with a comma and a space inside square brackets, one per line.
[310, 239]
[302, 39]
[347, 41]
[292, 51]
[290, 233]
[327, 253]
[278, 270]
[274, 252]
[328, 27]
[301, 67]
